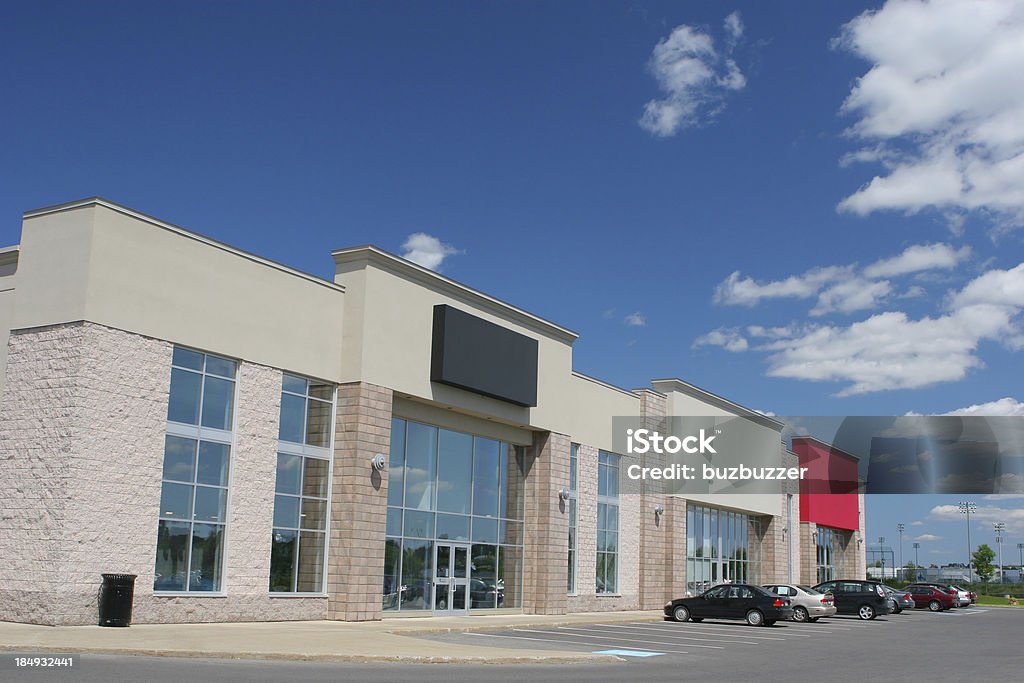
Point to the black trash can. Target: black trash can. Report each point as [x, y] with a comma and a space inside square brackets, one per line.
[115, 599]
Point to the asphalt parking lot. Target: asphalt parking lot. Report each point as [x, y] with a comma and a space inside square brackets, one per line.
[975, 642]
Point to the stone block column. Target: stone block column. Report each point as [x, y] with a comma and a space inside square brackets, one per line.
[545, 573]
[675, 523]
[359, 499]
[808, 553]
[655, 552]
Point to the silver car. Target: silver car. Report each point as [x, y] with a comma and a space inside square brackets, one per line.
[808, 604]
[963, 597]
[901, 599]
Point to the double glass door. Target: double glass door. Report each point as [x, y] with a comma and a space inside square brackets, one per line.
[451, 578]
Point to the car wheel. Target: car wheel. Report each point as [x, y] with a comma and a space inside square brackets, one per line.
[935, 606]
[897, 609]
[800, 614]
[681, 613]
[866, 612]
[755, 618]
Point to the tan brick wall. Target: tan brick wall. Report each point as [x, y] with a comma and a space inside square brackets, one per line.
[586, 599]
[82, 426]
[359, 503]
[545, 572]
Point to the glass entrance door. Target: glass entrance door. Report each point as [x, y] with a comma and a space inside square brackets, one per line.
[451, 579]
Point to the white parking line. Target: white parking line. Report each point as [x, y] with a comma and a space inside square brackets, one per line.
[664, 634]
[574, 642]
[674, 629]
[608, 637]
[723, 630]
[733, 629]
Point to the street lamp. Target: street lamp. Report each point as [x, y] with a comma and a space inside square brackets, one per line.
[1020, 567]
[881, 554]
[966, 508]
[917, 563]
[900, 528]
[999, 527]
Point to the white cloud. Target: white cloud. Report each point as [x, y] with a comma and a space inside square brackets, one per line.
[939, 107]
[635, 319]
[889, 350]
[999, 287]
[1003, 407]
[1013, 517]
[769, 332]
[927, 537]
[426, 250]
[745, 291]
[734, 26]
[852, 295]
[917, 258]
[844, 289]
[728, 338]
[917, 522]
[693, 76]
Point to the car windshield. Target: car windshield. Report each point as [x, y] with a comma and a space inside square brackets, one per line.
[809, 590]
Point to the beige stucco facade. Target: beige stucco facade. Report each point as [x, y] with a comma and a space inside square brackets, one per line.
[93, 303]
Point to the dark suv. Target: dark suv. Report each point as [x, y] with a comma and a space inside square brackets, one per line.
[866, 599]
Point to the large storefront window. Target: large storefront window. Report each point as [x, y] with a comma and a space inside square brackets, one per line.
[607, 575]
[722, 546]
[301, 505]
[452, 495]
[824, 541]
[197, 456]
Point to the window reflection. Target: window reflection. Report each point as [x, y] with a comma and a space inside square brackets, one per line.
[449, 487]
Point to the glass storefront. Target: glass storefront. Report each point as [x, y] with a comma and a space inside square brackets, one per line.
[824, 540]
[722, 546]
[455, 521]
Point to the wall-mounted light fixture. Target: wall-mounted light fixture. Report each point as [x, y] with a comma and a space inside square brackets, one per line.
[563, 494]
[659, 510]
[379, 462]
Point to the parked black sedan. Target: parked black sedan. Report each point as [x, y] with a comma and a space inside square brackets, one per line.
[732, 601]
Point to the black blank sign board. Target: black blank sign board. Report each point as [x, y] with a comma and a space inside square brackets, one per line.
[476, 355]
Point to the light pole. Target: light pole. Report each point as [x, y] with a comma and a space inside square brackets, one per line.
[917, 562]
[966, 508]
[999, 526]
[900, 528]
[881, 554]
[1020, 567]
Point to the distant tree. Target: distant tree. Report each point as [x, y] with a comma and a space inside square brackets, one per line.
[983, 557]
[910, 565]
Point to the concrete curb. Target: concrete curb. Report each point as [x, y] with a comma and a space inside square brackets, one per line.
[502, 627]
[584, 657]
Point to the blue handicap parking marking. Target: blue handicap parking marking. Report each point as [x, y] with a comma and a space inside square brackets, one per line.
[628, 653]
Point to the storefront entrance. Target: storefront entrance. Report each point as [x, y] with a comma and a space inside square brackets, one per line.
[451, 579]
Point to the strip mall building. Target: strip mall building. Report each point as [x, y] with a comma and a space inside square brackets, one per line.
[259, 444]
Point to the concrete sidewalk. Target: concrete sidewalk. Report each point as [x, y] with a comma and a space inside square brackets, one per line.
[376, 641]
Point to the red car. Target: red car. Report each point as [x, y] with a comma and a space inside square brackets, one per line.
[934, 599]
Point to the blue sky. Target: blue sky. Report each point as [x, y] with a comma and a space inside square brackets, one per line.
[809, 208]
